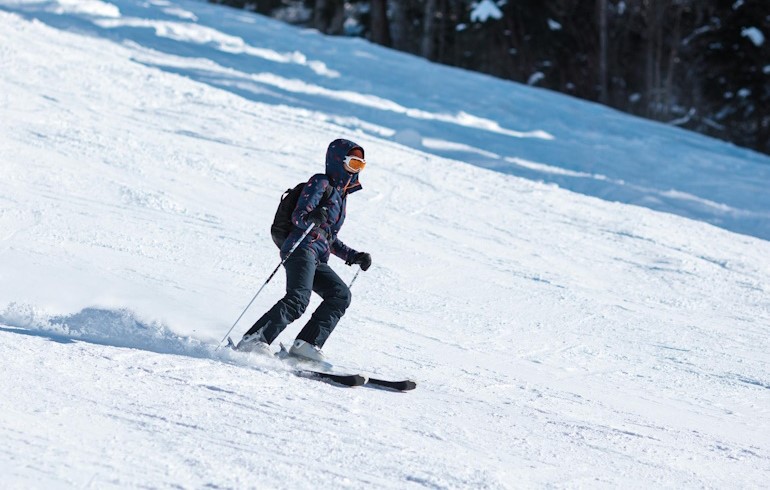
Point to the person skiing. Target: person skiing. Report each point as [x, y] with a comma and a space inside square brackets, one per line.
[307, 268]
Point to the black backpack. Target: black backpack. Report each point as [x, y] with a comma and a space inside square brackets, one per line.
[282, 224]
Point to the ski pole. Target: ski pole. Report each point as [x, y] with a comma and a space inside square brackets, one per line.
[354, 278]
[291, 250]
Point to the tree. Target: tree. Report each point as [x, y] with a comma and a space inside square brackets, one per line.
[329, 16]
[734, 74]
[380, 26]
[601, 7]
[429, 30]
[402, 26]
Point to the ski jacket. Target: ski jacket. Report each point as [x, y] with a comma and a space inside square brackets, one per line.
[324, 241]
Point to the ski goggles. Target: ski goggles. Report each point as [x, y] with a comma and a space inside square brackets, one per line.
[354, 164]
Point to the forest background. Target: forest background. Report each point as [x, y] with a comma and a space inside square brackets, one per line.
[703, 65]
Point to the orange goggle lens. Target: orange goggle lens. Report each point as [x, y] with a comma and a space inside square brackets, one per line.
[354, 164]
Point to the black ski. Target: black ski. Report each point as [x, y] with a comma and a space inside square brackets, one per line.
[341, 378]
[403, 385]
[360, 380]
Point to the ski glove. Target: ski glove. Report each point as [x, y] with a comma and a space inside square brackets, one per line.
[361, 258]
[318, 216]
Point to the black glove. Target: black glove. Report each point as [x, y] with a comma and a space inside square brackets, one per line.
[318, 216]
[362, 258]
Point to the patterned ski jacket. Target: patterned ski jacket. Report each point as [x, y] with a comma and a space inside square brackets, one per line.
[342, 183]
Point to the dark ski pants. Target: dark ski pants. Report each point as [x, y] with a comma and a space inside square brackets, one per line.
[304, 274]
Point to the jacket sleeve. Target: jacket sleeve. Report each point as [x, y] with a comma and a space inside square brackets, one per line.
[342, 251]
[309, 199]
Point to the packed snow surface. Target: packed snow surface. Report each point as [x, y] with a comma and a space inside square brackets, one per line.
[558, 338]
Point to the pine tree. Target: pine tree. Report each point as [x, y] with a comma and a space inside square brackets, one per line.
[735, 74]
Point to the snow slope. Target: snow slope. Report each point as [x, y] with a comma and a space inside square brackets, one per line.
[558, 340]
[452, 113]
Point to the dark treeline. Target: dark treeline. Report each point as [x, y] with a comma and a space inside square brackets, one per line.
[699, 64]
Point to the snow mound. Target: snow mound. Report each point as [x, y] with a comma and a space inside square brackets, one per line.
[115, 327]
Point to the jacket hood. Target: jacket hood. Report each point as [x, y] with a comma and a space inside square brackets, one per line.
[335, 169]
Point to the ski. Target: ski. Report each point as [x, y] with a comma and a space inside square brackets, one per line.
[342, 379]
[309, 373]
[345, 379]
[402, 385]
[360, 380]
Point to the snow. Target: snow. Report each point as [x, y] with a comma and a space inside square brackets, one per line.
[359, 86]
[697, 32]
[95, 8]
[535, 78]
[553, 25]
[563, 331]
[484, 10]
[754, 35]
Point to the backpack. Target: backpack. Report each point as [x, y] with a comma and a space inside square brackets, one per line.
[282, 224]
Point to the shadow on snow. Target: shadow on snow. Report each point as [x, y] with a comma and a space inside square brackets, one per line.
[116, 328]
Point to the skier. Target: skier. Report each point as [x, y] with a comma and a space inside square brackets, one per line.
[307, 268]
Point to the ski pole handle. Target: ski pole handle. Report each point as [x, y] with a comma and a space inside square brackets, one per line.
[291, 251]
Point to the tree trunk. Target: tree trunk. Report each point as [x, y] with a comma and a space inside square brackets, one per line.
[651, 57]
[400, 25]
[329, 16]
[601, 6]
[429, 30]
[658, 83]
[673, 45]
[380, 25]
